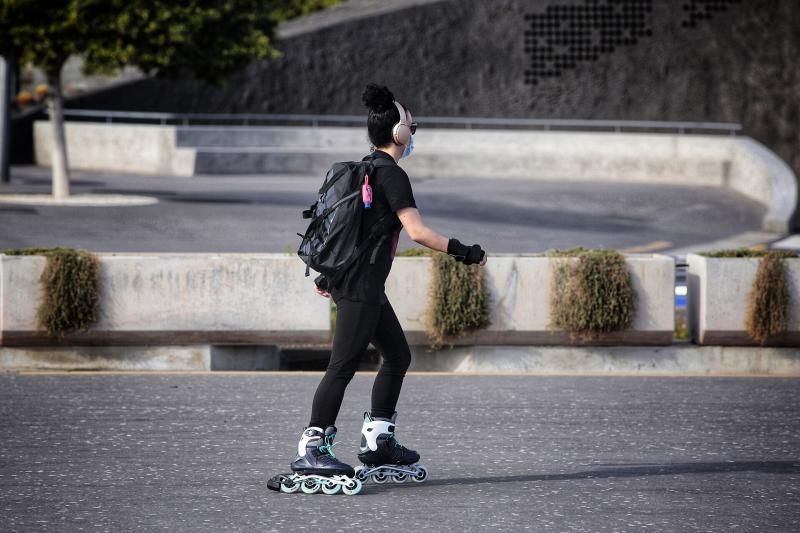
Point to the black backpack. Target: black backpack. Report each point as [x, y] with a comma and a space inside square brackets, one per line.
[331, 244]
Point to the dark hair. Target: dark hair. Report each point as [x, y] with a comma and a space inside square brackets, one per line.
[383, 113]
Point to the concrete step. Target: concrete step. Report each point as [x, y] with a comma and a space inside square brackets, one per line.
[266, 136]
[270, 160]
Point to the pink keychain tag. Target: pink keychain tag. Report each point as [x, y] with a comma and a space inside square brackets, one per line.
[366, 193]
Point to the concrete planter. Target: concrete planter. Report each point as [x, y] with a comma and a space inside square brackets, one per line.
[176, 299]
[168, 299]
[520, 301]
[718, 293]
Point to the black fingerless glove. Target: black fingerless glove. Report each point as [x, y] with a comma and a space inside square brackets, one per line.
[469, 255]
[321, 282]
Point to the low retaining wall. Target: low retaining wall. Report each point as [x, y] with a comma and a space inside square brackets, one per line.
[519, 289]
[718, 293]
[266, 299]
[740, 163]
[176, 299]
[135, 148]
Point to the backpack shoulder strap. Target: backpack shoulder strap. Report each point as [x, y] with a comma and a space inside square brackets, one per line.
[379, 161]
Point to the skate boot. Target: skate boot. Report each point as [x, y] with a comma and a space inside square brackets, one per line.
[316, 468]
[384, 458]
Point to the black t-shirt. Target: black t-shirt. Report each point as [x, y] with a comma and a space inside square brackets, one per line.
[391, 191]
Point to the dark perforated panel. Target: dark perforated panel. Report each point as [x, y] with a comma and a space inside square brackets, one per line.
[699, 10]
[565, 35]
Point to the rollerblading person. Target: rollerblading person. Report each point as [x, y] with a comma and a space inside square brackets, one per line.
[351, 241]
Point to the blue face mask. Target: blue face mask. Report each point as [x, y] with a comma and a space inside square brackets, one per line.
[409, 148]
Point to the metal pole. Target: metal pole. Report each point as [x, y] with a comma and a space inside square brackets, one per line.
[6, 89]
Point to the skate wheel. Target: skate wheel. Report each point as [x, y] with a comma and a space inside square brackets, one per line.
[380, 477]
[354, 487]
[360, 473]
[400, 477]
[331, 487]
[421, 475]
[290, 487]
[310, 486]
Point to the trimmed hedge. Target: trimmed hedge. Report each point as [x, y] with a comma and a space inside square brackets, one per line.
[70, 286]
[458, 298]
[591, 292]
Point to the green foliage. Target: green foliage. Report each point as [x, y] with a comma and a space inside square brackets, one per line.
[458, 300]
[768, 302]
[748, 252]
[581, 251]
[289, 9]
[35, 251]
[681, 326]
[43, 33]
[70, 289]
[591, 292]
[207, 39]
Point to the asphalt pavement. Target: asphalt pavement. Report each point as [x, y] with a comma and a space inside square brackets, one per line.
[111, 452]
[262, 214]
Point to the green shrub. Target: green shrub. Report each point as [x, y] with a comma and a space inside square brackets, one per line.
[458, 299]
[748, 252]
[591, 292]
[681, 332]
[334, 315]
[768, 301]
[70, 286]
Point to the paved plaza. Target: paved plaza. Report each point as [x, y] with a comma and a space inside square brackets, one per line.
[111, 452]
[262, 214]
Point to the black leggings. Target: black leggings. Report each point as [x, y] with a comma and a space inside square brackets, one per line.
[357, 324]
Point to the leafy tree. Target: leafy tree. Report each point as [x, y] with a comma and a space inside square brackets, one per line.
[206, 39]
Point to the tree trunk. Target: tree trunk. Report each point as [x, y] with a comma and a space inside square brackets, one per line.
[55, 106]
[7, 84]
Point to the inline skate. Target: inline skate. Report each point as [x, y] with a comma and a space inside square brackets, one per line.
[316, 468]
[384, 458]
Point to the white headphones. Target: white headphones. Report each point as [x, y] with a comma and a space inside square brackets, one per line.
[401, 132]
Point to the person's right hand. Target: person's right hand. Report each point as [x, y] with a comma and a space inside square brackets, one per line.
[469, 255]
[321, 285]
[322, 292]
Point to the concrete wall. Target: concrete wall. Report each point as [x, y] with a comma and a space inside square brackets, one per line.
[473, 58]
[265, 299]
[742, 164]
[117, 147]
[520, 301]
[718, 294]
[177, 299]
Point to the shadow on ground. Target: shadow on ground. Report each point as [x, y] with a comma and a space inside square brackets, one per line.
[620, 471]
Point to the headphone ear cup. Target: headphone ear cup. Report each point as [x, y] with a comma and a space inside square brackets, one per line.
[401, 134]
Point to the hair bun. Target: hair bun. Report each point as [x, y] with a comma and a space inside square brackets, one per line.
[377, 98]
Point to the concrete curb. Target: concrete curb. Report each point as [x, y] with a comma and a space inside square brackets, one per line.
[685, 359]
[153, 358]
[676, 360]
